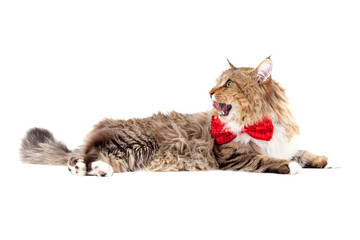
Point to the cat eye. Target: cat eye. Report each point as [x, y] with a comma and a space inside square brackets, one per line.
[228, 83]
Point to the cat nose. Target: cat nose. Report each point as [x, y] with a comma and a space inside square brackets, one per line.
[212, 96]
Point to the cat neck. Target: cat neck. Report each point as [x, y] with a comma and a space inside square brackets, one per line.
[281, 112]
[280, 145]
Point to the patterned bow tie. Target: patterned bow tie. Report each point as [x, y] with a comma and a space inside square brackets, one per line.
[262, 130]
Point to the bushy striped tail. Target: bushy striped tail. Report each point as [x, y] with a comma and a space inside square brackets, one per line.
[40, 147]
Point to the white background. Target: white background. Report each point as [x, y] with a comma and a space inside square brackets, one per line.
[65, 65]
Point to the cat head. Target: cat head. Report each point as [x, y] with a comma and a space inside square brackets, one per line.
[241, 94]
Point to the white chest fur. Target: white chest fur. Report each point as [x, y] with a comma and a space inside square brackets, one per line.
[278, 147]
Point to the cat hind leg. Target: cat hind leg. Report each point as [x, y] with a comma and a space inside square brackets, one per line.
[99, 168]
[76, 166]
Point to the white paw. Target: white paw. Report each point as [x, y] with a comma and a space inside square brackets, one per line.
[101, 169]
[295, 168]
[79, 168]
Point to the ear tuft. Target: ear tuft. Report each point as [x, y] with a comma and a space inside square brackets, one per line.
[263, 71]
[231, 66]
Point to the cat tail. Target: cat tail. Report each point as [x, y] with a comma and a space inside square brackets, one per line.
[40, 147]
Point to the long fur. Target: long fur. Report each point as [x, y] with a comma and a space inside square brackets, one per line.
[182, 142]
[40, 147]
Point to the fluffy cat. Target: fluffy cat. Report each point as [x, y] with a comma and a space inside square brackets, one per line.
[251, 128]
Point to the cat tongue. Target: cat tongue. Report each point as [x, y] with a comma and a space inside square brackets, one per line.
[224, 108]
[220, 106]
[216, 105]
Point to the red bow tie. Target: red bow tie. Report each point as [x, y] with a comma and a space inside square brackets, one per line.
[262, 130]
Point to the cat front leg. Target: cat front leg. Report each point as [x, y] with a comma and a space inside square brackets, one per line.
[309, 160]
[232, 159]
[261, 163]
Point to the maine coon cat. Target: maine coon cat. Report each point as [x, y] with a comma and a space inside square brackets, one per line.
[250, 128]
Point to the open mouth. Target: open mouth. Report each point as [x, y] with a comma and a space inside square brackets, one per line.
[223, 108]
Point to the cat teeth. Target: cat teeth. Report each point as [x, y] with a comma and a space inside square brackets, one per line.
[222, 113]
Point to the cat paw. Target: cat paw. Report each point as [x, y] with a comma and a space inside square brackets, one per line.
[77, 167]
[294, 168]
[100, 169]
[319, 162]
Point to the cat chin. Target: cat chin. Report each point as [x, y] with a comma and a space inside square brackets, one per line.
[234, 126]
[232, 120]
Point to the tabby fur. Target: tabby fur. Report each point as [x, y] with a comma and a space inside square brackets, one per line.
[182, 142]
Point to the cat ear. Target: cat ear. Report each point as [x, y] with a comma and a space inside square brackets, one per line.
[231, 66]
[263, 71]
